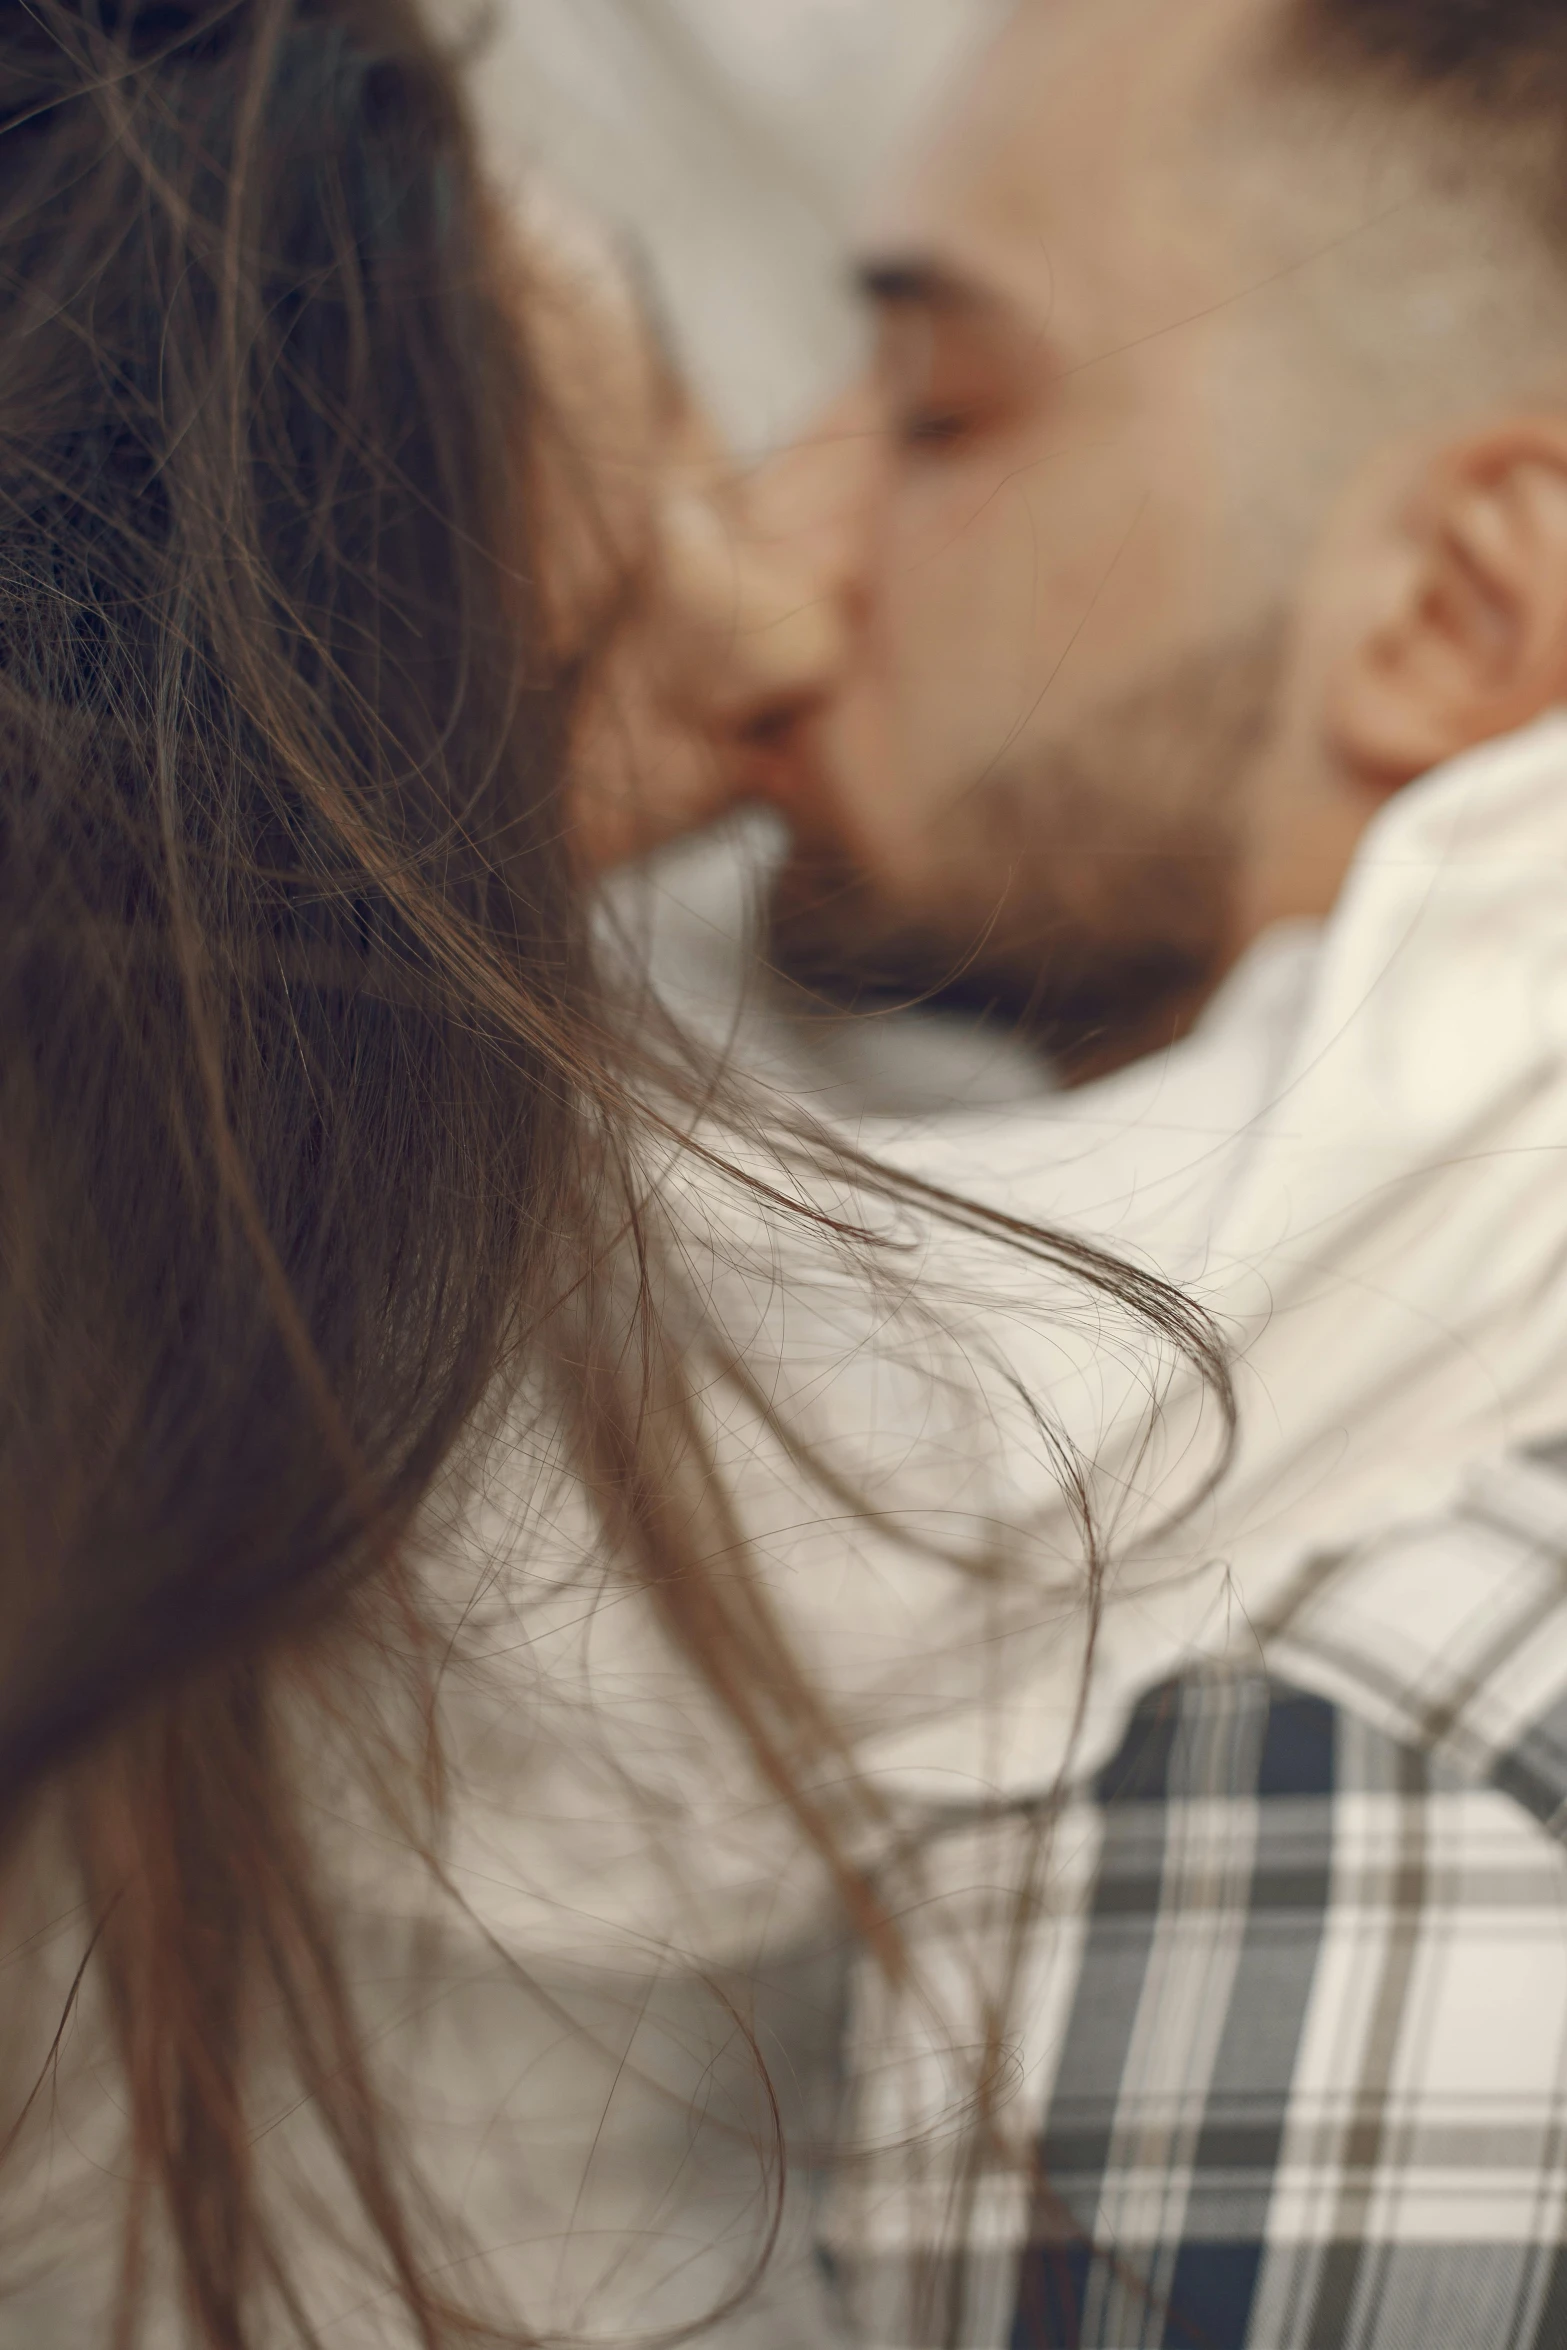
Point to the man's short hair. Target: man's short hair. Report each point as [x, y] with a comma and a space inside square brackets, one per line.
[1485, 54]
[1495, 69]
[1498, 61]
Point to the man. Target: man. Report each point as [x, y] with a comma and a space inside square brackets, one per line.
[1195, 565]
[1143, 336]
[1206, 505]
[1217, 506]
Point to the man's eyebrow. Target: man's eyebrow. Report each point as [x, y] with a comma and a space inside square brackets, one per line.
[915, 282]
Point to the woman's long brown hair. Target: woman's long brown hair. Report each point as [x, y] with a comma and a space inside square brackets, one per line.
[309, 1115]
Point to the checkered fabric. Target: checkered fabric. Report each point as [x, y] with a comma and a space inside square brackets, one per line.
[1274, 2010]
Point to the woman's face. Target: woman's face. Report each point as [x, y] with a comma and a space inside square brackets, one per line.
[698, 600]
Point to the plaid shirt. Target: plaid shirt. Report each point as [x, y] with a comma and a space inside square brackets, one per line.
[1281, 2057]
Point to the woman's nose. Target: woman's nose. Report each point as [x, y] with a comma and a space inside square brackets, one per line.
[743, 639]
[771, 568]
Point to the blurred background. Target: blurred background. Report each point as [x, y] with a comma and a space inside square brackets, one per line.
[735, 142]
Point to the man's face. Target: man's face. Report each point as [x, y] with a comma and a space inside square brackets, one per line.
[1072, 562]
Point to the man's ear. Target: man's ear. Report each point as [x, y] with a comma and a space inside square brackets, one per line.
[1460, 609]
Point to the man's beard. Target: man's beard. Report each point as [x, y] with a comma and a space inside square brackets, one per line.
[1090, 888]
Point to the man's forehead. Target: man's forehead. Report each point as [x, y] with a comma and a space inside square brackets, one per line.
[1084, 119]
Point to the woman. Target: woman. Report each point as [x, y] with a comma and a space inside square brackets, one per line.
[347, 1260]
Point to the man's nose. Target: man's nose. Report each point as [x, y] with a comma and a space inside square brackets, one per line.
[795, 587]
